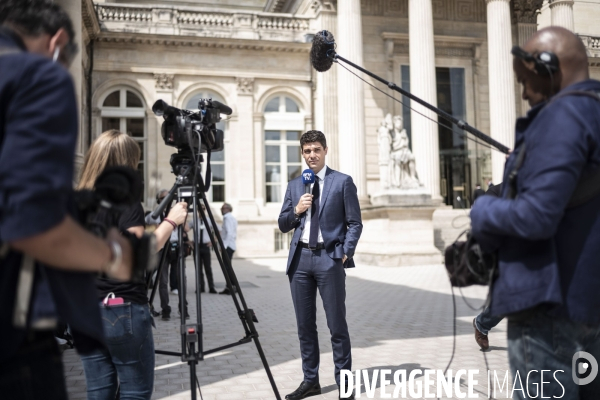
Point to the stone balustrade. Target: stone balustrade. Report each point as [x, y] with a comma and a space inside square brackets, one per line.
[189, 21]
[125, 14]
[592, 44]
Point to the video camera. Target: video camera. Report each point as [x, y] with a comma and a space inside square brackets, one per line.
[115, 190]
[186, 129]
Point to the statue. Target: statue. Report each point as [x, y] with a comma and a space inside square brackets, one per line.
[384, 138]
[396, 161]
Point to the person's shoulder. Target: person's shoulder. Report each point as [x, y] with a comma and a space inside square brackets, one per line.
[37, 69]
[576, 99]
[337, 175]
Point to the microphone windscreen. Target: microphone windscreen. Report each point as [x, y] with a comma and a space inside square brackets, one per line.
[308, 176]
[223, 109]
[119, 185]
[322, 51]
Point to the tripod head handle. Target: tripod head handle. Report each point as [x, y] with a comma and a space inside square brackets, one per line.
[165, 202]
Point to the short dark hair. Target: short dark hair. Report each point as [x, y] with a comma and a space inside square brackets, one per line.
[311, 137]
[35, 17]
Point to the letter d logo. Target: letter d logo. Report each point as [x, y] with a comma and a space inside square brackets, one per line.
[581, 368]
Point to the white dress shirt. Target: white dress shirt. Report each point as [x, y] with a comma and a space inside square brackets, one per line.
[306, 232]
[203, 232]
[229, 231]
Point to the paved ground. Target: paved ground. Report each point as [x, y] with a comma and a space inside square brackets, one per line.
[399, 318]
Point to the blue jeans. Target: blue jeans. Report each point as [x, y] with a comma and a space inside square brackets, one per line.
[128, 360]
[485, 321]
[541, 342]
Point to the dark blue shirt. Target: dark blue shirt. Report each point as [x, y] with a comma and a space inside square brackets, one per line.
[548, 253]
[38, 134]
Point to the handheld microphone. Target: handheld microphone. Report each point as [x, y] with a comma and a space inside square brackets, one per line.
[322, 52]
[308, 177]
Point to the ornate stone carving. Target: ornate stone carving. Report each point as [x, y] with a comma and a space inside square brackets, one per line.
[396, 161]
[592, 44]
[245, 85]
[526, 11]
[164, 81]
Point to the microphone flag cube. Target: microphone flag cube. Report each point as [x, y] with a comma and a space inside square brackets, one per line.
[308, 176]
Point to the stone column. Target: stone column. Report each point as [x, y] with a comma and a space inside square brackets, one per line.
[562, 14]
[424, 132]
[326, 96]
[501, 80]
[525, 15]
[239, 176]
[351, 104]
[73, 9]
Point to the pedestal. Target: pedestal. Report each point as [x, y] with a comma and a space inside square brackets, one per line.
[395, 236]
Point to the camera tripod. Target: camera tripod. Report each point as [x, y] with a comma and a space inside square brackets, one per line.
[189, 187]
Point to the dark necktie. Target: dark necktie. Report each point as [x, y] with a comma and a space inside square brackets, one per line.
[314, 214]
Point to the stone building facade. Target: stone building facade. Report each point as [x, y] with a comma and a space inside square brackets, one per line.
[253, 56]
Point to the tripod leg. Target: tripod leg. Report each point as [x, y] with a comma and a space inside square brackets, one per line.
[247, 314]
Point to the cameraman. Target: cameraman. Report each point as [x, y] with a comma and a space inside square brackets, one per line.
[38, 134]
[549, 278]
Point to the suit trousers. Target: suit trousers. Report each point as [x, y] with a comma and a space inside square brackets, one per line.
[163, 283]
[311, 271]
[204, 253]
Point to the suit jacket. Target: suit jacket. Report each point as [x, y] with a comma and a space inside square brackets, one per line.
[339, 216]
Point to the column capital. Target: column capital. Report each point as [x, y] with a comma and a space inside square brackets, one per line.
[526, 11]
[554, 3]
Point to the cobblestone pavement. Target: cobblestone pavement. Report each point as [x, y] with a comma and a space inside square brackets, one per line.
[399, 318]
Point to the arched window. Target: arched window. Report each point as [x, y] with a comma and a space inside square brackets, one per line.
[124, 110]
[284, 123]
[217, 159]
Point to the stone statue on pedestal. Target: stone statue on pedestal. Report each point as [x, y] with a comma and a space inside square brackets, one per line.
[384, 138]
[396, 161]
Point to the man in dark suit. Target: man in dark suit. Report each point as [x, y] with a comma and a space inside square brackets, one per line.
[477, 192]
[327, 225]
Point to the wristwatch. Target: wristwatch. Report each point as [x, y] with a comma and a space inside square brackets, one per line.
[296, 214]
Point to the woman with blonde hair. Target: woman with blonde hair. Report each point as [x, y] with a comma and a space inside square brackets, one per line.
[128, 360]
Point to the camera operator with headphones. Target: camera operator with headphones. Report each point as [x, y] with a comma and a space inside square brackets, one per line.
[546, 225]
[38, 134]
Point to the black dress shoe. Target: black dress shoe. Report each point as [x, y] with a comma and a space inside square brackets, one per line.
[212, 290]
[225, 291]
[306, 389]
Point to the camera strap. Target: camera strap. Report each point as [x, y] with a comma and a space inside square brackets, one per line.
[24, 287]
[208, 172]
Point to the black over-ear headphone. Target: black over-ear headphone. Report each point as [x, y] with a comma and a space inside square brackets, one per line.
[545, 62]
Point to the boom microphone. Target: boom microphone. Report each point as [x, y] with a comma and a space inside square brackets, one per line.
[223, 109]
[323, 55]
[308, 177]
[322, 52]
